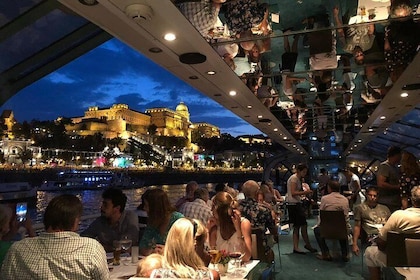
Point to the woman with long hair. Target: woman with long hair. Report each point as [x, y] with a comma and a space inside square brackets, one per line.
[227, 229]
[180, 257]
[410, 177]
[161, 215]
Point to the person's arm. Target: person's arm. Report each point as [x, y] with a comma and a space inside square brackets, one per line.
[246, 235]
[356, 234]
[295, 192]
[382, 183]
[338, 23]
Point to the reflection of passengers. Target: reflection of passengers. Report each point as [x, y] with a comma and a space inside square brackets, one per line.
[228, 52]
[356, 39]
[322, 46]
[202, 14]
[402, 40]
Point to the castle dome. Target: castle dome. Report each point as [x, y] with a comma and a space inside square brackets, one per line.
[182, 107]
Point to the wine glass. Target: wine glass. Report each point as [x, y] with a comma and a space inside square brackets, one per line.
[125, 246]
[237, 255]
[213, 253]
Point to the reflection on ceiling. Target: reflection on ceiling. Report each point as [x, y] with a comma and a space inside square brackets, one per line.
[314, 100]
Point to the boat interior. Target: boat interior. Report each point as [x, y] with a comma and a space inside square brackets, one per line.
[343, 119]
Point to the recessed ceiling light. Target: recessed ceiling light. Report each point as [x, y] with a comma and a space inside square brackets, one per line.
[370, 129]
[259, 116]
[211, 72]
[382, 117]
[360, 140]
[404, 94]
[155, 50]
[276, 129]
[89, 2]
[249, 106]
[193, 77]
[232, 93]
[169, 36]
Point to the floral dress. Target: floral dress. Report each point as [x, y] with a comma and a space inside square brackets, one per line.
[170, 273]
[407, 182]
[242, 15]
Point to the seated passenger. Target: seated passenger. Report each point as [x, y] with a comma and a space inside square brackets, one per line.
[161, 216]
[333, 201]
[403, 221]
[227, 229]
[59, 252]
[180, 257]
[5, 216]
[369, 217]
[146, 266]
[114, 222]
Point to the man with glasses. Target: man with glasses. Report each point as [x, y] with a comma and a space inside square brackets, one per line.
[368, 218]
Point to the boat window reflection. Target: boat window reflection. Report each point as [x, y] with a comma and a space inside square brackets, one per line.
[320, 67]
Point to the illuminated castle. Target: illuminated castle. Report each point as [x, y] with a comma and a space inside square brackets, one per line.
[120, 121]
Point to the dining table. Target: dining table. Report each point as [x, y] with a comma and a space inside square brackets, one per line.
[250, 268]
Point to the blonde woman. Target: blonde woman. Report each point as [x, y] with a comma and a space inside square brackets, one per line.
[180, 257]
[227, 229]
[146, 266]
[410, 177]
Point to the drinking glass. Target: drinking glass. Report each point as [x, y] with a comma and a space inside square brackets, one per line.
[213, 253]
[125, 246]
[237, 255]
[117, 252]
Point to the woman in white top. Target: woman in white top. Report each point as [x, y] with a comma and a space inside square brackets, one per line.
[227, 229]
[296, 211]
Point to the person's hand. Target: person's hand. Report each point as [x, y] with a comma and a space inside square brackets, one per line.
[211, 223]
[159, 249]
[236, 219]
[336, 11]
[355, 249]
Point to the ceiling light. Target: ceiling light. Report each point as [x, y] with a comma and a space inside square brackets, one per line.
[169, 37]
[276, 129]
[155, 50]
[259, 116]
[370, 129]
[193, 77]
[382, 117]
[89, 2]
[232, 93]
[360, 140]
[211, 72]
[249, 106]
[284, 138]
[404, 94]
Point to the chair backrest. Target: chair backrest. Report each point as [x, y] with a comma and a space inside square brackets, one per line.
[257, 244]
[268, 273]
[395, 248]
[333, 225]
[412, 247]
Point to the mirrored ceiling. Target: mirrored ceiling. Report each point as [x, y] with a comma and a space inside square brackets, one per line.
[295, 64]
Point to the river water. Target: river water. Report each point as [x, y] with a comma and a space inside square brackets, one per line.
[92, 200]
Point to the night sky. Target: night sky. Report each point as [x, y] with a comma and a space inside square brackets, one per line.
[114, 73]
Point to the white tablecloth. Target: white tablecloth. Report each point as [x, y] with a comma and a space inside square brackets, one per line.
[123, 271]
[247, 268]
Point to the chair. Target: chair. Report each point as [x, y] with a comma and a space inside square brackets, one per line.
[333, 225]
[268, 273]
[396, 248]
[257, 248]
[412, 247]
